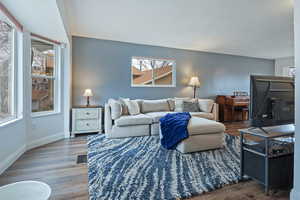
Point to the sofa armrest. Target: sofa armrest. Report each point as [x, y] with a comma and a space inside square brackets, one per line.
[107, 119]
[215, 111]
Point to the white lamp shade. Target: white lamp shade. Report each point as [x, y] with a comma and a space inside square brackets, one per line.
[194, 82]
[88, 93]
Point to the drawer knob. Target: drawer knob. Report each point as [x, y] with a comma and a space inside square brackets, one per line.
[87, 124]
[87, 113]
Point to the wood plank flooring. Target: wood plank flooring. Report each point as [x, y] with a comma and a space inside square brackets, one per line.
[55, 164]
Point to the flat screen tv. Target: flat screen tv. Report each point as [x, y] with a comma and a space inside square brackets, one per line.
[272, 100]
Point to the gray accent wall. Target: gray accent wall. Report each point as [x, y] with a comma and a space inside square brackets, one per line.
[104, 67]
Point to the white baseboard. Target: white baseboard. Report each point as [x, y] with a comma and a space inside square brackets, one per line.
[294, 195]
[11, 159]
[14, 156]
[45, 140]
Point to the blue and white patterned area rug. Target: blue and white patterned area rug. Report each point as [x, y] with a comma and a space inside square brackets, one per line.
[139, 168]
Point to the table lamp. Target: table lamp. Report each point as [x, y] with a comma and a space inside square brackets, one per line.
[88, 93]
[195, 83]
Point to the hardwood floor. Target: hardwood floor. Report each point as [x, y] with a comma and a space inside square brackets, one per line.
[55, 164]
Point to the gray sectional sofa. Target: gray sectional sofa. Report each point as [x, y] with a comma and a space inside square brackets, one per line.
[120, 124]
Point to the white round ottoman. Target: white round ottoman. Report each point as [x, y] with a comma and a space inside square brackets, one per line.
[25, 190]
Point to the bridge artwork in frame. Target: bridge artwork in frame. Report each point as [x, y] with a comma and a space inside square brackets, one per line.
[153, 72]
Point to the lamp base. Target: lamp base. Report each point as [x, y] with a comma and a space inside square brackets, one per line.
[87, 101]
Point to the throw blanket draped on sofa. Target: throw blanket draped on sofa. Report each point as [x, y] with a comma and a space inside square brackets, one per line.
[174, 129]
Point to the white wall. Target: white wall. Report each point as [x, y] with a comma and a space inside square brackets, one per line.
[49, 128]
[13, 135]
[12, 143]
[29, 132]
[295, 194]
[67, 62]
[280, 63]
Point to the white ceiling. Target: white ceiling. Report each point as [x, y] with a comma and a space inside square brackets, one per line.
[40, 17]
[255, 28]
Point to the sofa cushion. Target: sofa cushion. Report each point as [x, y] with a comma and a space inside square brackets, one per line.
[190, 106]
[115, 108]
[202, 114]
[171, 104]
[206, 105]
[198, 126]
[133, 107]
[179, 103]
[124, 106]
[155, 105]
[139, 101]
[155, 116]
[131, 120]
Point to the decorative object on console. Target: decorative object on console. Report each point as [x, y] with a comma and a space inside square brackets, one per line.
[240, 93]
[88, 93]
[195, 83]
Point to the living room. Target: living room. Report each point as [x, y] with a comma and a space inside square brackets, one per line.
[93, 93]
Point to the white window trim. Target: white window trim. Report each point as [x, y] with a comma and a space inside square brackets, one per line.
[57, 82]
[44, 114]
[17, 64]
[153, 85]
[10, 121]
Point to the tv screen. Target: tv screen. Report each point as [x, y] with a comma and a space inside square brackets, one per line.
[272, 100]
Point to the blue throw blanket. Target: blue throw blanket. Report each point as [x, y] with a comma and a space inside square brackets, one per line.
[174, 129]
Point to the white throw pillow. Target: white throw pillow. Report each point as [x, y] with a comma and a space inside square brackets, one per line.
[179, 103]
[115, 108]
[133, 107]
[206, 105]
[155, 105]
[124, 106]
[171, 103]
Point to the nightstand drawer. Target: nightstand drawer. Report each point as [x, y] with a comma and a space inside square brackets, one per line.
[87, 113]
[85, 125]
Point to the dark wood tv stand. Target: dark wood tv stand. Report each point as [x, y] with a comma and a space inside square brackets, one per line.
[267, 155]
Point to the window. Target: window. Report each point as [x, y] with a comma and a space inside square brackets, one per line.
[7, 71]
[44, 68]
[150, 72]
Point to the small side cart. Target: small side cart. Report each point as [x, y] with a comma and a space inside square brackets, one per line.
[267, 155]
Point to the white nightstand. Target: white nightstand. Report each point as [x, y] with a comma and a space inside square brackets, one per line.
[86, 119]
